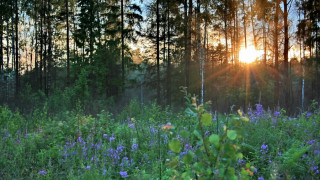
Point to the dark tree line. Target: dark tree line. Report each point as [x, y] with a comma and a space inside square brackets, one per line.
[89, 49]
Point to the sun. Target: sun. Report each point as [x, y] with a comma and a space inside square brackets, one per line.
[248, 55]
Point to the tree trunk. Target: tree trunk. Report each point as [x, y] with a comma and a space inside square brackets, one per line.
[244, 24]
[68, 49]
[253, 27]
[186, 42]
[168, 59]
[17, 48]
[226, 30]
[1, 47]
[286, 36]
[122, 41]
[276, 53]
[50, 59]
[41, 46]
[158, 53]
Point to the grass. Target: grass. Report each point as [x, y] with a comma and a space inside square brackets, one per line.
[149, 142]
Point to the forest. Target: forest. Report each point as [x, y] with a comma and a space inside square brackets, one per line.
[159, 89]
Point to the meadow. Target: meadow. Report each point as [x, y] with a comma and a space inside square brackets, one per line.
[152, 142]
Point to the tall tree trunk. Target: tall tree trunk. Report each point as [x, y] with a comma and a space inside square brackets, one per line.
[276, 52]
[1, 46]
[244, 24]
[68, 49]
[286, 57]
[50, 59]
[253, 26]
[13, 38]
[168, 59]
[41, 46]
[17, 48]
[204, 56]
[226, 29]
[286, 36]
[186, 42]
[198, 29]
[122, 41]
[158, 53]
[8, 58]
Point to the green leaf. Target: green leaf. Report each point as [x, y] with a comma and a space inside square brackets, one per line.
[188, 158]
[184, 134]
[232, 134]
[175, 145]
[214, 139]
[206, 119]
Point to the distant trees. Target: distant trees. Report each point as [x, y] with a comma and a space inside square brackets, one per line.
[193, 43]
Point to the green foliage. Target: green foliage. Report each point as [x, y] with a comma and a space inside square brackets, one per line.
[216, 155]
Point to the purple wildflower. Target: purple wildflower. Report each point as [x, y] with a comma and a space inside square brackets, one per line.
[317, 152]
[309, 114]
[276, 113]
[43, 173]
[312, 141]
[134, 146]
[105, 135]
[124, 174]
[264, 149]
[6, 134]
[260, 178]
[131, 125]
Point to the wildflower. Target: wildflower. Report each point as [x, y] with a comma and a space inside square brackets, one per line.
[131, 125]
[124, 174]
[88, 167]
[251, 173]
[312, 141]
[235, 146]
[239, 112]
[309, 114]
[276, 113]
[105, 135]
[260, 178]
[104, 172]
[112, 138]
[317, 152]
[43, 172]
[264, 148]
[259, 110]
[167, 126]
[6, 134]
[134, 146]
[279, 153]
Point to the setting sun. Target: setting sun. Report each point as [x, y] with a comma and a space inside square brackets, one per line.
[248, 55]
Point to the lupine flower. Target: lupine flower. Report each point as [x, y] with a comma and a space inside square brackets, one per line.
[264, 148]
[131, 125]
[104, 172]
[105, 135]
[43, 173]
[276, 113]
[134, 146]
[317, 152]
[312, 141]
[88, 167]
[309, 114]
[124, 174]
[279, 153]
[259, 110]
[260, 178]
[6, 134]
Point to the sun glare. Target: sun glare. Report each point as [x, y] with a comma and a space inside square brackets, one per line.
[248, 55]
